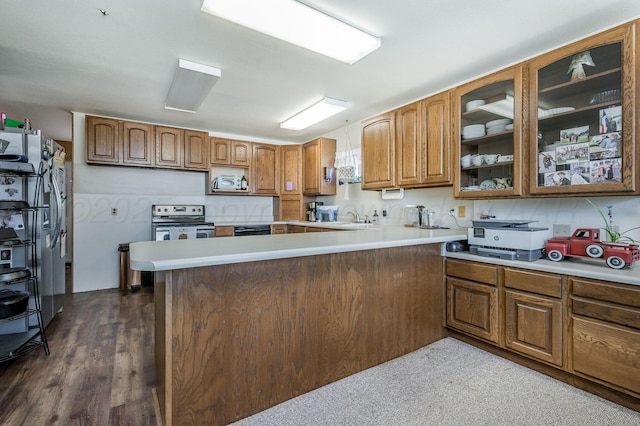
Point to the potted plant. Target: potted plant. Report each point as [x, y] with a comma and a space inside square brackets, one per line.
[615, 236]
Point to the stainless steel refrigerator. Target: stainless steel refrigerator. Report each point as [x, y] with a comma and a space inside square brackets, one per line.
[47, 194]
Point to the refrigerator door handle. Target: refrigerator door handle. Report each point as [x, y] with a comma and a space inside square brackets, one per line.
[58, 196]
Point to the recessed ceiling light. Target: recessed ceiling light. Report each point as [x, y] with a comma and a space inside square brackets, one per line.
[299, 24]
[314, 114]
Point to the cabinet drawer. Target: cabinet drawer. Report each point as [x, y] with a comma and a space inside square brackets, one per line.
[479, 272]
[224, 231]
[607, 352]
[606, 311]
[609, 292]
[533, 282]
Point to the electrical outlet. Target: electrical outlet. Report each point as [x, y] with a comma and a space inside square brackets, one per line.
[561, 230]
[462, 211]
[114, 212]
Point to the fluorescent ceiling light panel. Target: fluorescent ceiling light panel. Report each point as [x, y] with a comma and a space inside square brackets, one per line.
[314, 114]
[299, 24]
[191, 84]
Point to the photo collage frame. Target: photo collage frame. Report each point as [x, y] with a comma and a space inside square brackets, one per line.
[580, 158]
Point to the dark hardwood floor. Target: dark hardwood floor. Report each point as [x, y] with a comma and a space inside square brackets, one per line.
[100, 370]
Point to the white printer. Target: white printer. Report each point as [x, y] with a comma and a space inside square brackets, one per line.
[507, 239]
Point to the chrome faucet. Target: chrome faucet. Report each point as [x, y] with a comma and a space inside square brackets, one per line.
[356, 215]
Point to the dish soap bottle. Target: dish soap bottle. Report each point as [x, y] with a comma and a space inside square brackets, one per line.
[376, 218]
[243, 183]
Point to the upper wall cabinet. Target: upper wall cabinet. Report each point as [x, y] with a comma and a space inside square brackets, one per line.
[583, 116]
[169, 147]
[226, 152]
[487, 136]
[264, 170]
[378, 152]
[291, 169]
[137, 144]
[196, 150]
[422, 143]
[115, 142]
[104, 141]
[318, 160]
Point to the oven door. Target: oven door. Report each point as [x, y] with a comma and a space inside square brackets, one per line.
[165, 232]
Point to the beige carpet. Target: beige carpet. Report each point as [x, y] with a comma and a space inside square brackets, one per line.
[446, 383]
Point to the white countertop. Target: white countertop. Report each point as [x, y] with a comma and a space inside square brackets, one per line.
[177, 254]
[578, 267]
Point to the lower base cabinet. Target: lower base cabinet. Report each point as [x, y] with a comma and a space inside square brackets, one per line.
[472, 298]
[533, 326]
[582, 331]
[534, 314]
[473, 308]
[606, 333]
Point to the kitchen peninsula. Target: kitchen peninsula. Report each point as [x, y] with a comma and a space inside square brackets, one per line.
[243, 324]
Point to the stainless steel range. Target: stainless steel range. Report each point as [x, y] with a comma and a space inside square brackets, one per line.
[177, 222]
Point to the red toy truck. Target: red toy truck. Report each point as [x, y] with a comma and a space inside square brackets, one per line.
[586, 242]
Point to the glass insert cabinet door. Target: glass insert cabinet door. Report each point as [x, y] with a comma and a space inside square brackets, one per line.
[488, 136]
[582, 112]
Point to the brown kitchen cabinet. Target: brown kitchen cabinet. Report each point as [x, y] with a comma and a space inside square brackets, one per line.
[378, 152]
[169, 147]
[137, 144]
[318, 161]
[291, 165]
[278, 229]
[227, 152]
[265, 169]
[487, 130]
[223, 231]
[291, 207]
[116, 142]
[422, 143]
[472, 299]
[534, 314]
[583, 115]
[605, 333]
[103, 139]
[196, 150]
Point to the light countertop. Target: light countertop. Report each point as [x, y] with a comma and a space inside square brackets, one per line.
[578, 267]
[177, 254]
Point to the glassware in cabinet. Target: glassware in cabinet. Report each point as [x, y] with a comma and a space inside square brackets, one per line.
[582, 108]
[488, 129]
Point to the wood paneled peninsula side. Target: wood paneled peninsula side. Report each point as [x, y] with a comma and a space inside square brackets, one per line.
[245, 325]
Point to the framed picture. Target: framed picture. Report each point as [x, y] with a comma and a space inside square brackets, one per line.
[572, 153]
[575, 135]
[546, 161]
[611, 119]
[10, 188]
[607, 145]
[11, 219]
[580, 173]
[6, 258]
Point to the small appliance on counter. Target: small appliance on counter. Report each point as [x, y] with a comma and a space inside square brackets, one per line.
[312, 213]
[507, 239]
[327, 213]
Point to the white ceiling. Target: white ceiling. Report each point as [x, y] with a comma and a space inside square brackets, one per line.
[64, 55]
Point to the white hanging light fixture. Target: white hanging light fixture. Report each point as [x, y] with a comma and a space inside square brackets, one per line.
[346, 163]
